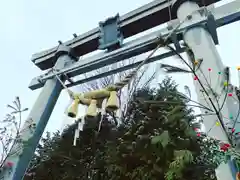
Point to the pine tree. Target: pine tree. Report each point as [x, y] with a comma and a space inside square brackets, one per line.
[155, 140]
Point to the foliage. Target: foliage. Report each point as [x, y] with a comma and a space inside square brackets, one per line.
[154, 141]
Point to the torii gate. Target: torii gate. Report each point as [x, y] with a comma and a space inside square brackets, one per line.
[195, 25]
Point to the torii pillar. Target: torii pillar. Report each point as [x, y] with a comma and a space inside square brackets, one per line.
[201, 42]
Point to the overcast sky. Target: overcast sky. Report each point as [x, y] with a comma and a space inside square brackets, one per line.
[28, 27]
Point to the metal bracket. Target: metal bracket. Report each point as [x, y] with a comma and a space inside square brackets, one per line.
[212, 27]
[63, 49]
[173, 37]
[209, 23]
[176, 42]
[110, 35]
[68, 78]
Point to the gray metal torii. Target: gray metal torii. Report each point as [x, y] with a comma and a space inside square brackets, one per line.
[64, 58]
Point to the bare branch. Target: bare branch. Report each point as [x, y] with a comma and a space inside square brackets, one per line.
[10, 131]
